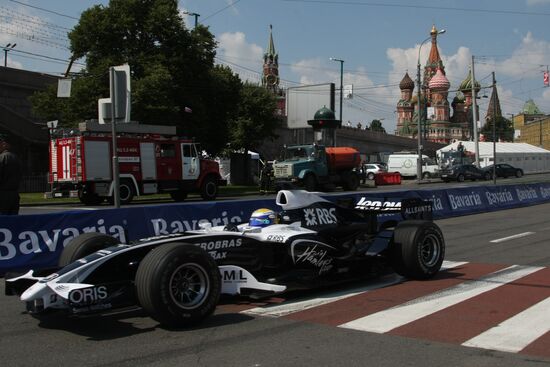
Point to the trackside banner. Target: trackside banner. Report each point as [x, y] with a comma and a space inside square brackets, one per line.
[36, 241]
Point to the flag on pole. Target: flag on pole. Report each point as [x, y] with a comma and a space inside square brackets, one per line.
[188, 110]
[546, 79]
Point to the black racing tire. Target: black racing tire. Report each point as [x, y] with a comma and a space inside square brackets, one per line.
[209, 188]
[310, 182]
[351, 182]
[426, 175]
[460, 178]
[519, 173]
[418, 249]
[370, 176]
[84, 245]
[178, 284]
[178, 196]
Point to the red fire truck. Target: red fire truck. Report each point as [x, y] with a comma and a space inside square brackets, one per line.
[152, 159]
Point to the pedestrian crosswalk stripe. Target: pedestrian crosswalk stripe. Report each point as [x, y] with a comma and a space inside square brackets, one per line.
[384, 321]
[517, 332]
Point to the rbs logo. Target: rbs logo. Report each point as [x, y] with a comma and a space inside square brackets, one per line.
[87, 296]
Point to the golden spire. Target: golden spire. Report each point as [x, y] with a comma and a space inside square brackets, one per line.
[434, 30]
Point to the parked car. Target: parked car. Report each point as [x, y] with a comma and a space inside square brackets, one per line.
[504, 170]
[461, 172]
[371, 169]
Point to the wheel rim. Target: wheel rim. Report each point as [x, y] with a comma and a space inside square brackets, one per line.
[430, 250]
[371, 176]
[189, 286]
[210, 189]
[124, 192]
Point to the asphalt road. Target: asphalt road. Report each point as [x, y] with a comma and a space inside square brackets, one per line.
[306, 333]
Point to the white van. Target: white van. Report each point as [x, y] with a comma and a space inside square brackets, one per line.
[405, 164]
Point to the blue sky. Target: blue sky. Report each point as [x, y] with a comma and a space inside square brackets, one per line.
[378, 40]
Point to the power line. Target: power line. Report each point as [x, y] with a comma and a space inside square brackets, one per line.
[446, 8]
[222, 9]
[45, 10]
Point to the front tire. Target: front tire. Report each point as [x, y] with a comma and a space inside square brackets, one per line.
[84, 245]
[370, 176]
[460, 178]
[178, 284]
[209, 189]
[426, 175]
[351, 182]
[310, 183]
[126, 192]
[418, 249]
[519, 173]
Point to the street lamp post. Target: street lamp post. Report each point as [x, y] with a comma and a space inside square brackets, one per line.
[418, 122]
[341, 93]
[513, 127]
[7, 48]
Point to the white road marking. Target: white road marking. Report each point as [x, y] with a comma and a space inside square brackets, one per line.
[512, 237]
[300, 305]
[384, 321]
[59, 208]
[517, 332]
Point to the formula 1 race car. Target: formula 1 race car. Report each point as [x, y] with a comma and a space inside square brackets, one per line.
[177, 279]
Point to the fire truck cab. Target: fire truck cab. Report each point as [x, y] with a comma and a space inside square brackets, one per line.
[152, 159]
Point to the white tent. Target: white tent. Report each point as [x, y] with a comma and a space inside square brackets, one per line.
[528, 157]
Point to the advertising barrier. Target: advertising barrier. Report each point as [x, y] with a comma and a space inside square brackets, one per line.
[36, 241]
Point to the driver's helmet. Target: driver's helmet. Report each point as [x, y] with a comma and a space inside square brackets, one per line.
[263, 217]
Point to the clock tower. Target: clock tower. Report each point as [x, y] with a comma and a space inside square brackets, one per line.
[270, 74]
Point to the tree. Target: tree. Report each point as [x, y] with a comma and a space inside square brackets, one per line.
[504, 130]
[255, 119]
[376, 125]
[172, 68]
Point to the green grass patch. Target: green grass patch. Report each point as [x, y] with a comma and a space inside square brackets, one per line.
[37, 198]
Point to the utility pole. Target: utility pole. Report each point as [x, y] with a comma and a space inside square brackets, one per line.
[194, 15]
[474, 114]
[494, 130]
[116, 176]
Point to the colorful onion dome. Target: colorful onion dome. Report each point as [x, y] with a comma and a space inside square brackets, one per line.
[406, 82]
[466, 85]
[439, 81]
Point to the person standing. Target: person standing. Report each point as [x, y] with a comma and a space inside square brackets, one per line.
[10, 175]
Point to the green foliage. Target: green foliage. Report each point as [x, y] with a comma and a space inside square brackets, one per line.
[504, 130]
[376, 125]
[255, 120]
[171, 68]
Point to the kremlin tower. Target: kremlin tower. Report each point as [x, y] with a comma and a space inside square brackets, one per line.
[270, 73]
[437, 123]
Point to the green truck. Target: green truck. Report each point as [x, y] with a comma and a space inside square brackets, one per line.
[313, 166]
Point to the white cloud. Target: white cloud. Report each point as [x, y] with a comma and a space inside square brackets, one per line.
[537, 2]
[244, 58]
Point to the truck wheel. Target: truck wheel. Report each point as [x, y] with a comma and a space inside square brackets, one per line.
[178, 284]
[370, 176]
[84, 245]
[126, 192]
[426, 175]
[209, 189]
[310, 183]
[179, 195]
[351, 182]
[417, 249]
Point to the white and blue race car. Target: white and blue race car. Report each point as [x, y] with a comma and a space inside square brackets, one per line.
[178, 279]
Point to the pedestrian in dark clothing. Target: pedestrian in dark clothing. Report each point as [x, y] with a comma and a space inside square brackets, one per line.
[266, 178]
[10, 175]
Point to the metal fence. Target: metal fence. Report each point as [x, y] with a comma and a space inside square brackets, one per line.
[34, 183]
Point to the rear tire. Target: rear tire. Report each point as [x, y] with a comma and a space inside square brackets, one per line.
[84, 245]
[519, 173]
[351, 182]
[460, 178]
[209, 189]
[426, 175]
[126, 192]
[370, 176]
[178, 284]
[418, 249]
[88, 199]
